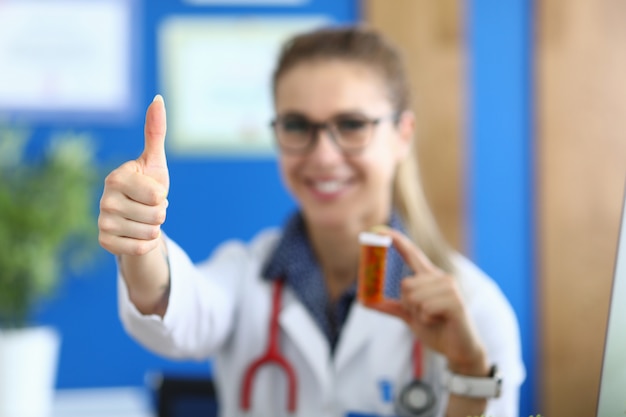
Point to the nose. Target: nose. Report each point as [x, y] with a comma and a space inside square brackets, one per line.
[325, 150]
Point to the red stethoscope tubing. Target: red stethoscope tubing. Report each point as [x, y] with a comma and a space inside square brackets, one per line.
[272, 356]
[417, 360]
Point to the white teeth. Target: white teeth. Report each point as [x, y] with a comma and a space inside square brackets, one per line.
[328, 186]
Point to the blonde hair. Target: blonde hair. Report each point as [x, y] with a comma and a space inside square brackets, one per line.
[368, 47]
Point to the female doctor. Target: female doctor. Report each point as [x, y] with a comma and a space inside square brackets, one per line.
[278, 314]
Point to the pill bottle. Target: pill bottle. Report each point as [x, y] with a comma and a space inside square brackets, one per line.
[372, 267]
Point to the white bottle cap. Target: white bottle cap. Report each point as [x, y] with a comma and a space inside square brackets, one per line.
[374, 239]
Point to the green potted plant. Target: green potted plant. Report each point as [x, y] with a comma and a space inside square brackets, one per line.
[47, 225]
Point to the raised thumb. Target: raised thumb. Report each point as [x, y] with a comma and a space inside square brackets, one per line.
[153, 157]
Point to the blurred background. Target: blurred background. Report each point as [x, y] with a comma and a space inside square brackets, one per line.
[522, 146]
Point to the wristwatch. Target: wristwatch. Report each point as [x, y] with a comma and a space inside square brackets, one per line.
[472, 386]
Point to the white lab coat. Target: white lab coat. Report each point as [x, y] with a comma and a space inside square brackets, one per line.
[220, 309]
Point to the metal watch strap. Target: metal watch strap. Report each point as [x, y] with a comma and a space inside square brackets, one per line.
[472, 386]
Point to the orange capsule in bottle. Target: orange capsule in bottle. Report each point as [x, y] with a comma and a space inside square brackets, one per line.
[372, 267]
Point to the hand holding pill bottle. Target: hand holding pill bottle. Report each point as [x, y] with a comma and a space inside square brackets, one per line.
[372, 267]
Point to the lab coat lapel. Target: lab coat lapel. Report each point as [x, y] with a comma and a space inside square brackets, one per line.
[306, 335]
[357, 330]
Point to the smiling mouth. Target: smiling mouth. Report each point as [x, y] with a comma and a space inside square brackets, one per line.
[328, 187]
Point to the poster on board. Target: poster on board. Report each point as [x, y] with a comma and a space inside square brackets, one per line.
[65, 57]
[216, 76]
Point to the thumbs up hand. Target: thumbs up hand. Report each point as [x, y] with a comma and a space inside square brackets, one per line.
[152, 161]
[134, 201]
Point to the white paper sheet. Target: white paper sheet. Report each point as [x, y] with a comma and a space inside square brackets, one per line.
[65, 55]
[216, 81]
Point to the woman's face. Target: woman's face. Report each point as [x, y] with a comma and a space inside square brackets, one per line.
[334, 188]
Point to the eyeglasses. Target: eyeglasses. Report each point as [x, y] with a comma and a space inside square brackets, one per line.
[296, 134]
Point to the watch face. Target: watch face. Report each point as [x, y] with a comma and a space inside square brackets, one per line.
[417, 399]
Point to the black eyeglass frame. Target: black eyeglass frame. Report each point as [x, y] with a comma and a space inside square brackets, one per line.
[329, 126]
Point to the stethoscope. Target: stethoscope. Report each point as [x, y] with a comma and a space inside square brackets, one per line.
[416, 399]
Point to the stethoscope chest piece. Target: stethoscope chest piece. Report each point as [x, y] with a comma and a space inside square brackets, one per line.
[417, 399]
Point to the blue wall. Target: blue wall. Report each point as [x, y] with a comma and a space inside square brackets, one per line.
[207, 191]
[96, 351]
[500, 161]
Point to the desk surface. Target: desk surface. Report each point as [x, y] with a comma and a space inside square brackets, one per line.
[102, 402]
